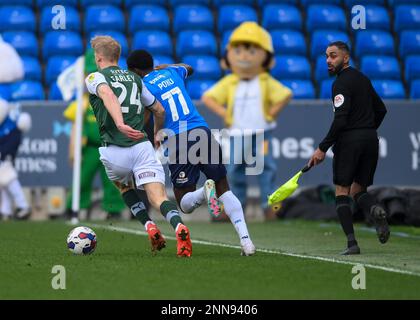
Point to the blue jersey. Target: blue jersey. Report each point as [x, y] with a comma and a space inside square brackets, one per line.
[168, 86]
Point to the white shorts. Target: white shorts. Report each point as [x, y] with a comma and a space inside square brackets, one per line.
[140, 160]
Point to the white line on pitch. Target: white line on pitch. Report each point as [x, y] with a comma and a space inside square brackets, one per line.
[290, 254]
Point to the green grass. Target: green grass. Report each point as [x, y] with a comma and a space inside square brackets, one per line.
[122, 266]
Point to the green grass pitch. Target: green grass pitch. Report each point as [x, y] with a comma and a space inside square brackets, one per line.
[296, 260]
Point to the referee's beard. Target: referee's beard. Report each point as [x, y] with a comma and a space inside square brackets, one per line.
[335, 69]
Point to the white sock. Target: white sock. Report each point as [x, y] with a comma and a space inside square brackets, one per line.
[15, 189]
[192, 200]
[233, 209]
[6, 203]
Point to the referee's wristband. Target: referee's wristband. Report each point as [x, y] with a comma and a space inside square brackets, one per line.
[323, 147]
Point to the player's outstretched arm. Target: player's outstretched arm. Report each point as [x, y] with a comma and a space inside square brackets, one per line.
[190, 69]
[114, 108]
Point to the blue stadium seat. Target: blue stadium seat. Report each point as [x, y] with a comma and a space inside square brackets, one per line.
[62, 43]
[129, 3]
[325, 89]
[322, 38]
[380, 67]
[27, 90]
[160, 59]
[230, 16]
[307, 3]
[196, 88]
[412, 68]
[157, 42]
[414, 89]
[122, 62]
[389, 89]
[148, 17]
[120, 37]
[28, 3]
[24, 42]
[351, 3]
[409, 43]
[291, 67]
[56, 65]
[196, 43]
[281, 16]
[377, 17]
[86, 3]
[262, 3]
[321, 68]
[17, 18]
[189, 17]
[407, 17]
[72, 19]
[394, 3]
[205, 67]
[325, 17]
[225, 39]
[374, 42]
[288, 42]
[175, 3]
[43, 3]
[54, 92]
[104, 17]
[302, 89]
[5, 91]
[32, 68]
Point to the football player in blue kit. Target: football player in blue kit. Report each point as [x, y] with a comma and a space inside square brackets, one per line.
[187, 131]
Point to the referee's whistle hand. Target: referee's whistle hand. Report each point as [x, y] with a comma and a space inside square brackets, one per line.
[316, 158]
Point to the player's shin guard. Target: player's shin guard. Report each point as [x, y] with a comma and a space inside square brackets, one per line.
[346, 219]
[170, 211]
[137, 207]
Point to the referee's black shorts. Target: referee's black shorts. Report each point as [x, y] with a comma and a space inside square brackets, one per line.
[355, 158]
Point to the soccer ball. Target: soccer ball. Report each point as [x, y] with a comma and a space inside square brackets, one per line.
[81, 240]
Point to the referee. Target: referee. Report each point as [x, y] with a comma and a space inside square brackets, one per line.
[358, 113]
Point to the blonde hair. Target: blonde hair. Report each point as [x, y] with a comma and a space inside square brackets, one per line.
[107, 47]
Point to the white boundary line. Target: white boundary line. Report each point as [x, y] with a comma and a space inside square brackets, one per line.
[290, 254]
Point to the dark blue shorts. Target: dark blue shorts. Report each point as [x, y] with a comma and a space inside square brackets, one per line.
[9, 145]
[188, 158]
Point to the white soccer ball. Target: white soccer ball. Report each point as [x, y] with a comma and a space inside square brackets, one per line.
[81, 240]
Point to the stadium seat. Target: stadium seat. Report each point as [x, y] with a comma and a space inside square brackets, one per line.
[322, 38]
[291, 67]
[189, 17]
[43, 3]
[374, 42]
[129, 3]
[56, 65]
[380, 67]
[262, 3]
[86, 3]
[24, 42]
[27, 90]
[351, 3]
[414, 89]
[377, 18]
[288, 42]
[394, 3]
[160, 59]
[281, 16]
[321, 68]
[32, 68]
[104, 17]
[389, 89]
[157, 42]
[325, 17]
[175, 3]
[196, 88]
[62, 43]
[230, 16]
[412, 68]
[17, 18]
[196, 43]
[205, 67]
[28, 3]
[148, 17]
[5, 91]
[407, 17]
[54, 92]
[306, 3]
[409, 43]
[325, 90]
[120, 37]
[122, 62]
[302, 89]
[72, 21]
[225, 39]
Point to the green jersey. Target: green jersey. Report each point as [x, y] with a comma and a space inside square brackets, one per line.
[132, 96]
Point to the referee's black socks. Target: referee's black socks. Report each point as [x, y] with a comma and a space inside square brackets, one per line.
[343, 207]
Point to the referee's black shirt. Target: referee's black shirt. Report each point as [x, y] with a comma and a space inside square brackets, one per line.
[356, 106]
